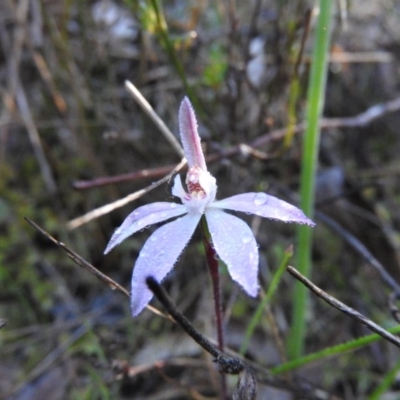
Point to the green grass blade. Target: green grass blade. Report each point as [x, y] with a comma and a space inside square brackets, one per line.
[315, 97]
[331, 351]
[265, 301]
[386, 382]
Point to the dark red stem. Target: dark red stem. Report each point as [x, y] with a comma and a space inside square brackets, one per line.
[212, 261]
[213, 266]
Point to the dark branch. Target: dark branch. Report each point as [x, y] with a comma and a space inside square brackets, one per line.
[77, 259]
[229, 365]
[344, 308]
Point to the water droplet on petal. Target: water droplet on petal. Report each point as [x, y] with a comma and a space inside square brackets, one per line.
[246, 239]
[252, 256]
[260, 198]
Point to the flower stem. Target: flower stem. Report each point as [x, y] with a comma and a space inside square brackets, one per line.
[212, 261]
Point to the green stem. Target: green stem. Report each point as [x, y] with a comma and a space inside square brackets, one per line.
[315, 98]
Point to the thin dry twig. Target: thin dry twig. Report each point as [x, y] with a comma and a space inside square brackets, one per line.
[148, 109]
[364, 118]
[16, 90]
[77, 259]
[47, 77]
[98, 212]
[360, 249]
[247, 150]
[131, 176]
[360, 120]
[344, 308]
[361, 57]
[34, 137]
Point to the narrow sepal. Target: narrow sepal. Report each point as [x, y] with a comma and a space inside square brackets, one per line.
[142, 217]
[158, 256]
[236, 245]
[264, 205]
[189, 136]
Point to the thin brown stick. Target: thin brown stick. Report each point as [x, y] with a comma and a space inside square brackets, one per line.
[47, 77]
[361, 57]
[360, 120]
[359, 247]
[16, 91]
[304, 37]
[77, 259]
[247, 150]
[148, 109]
[98, 212]
[344, 308]
[131, 176]
[363, 119]
[34, 138]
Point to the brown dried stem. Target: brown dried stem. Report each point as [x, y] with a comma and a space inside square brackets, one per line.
[363, 119]
[77, 259]
[98, 212]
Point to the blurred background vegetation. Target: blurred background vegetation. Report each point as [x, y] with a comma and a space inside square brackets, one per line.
[66, 117]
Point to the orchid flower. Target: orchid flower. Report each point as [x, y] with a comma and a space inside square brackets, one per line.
[232, 238]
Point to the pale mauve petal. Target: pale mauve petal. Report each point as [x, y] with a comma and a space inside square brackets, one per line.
[158, 256]
[264, 205]
[142, 217]
[189, 136]
[236, 245]
[177, 189]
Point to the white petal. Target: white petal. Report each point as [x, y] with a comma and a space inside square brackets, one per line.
[235, 243]
[158, 256]
[264, 205]
[142, 217]
[189, 136]
[177, 189]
